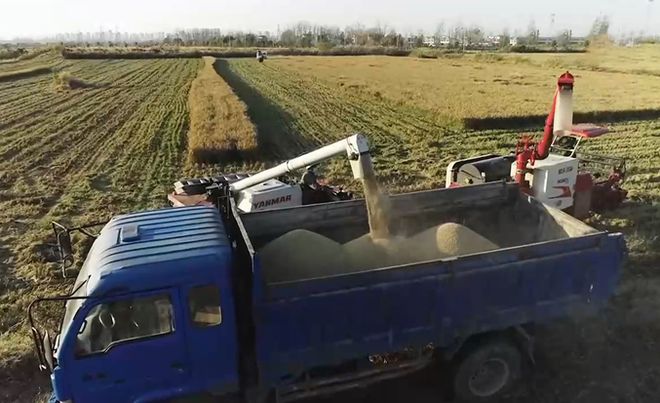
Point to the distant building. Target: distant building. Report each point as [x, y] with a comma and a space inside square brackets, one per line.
[411, 41]
[494, 40]
[546, 40]
[578, 40]
[429, 41]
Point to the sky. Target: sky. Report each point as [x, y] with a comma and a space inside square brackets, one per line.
[37, 18]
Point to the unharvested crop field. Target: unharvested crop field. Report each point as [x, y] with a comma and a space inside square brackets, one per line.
[469, 89]
[116, 146]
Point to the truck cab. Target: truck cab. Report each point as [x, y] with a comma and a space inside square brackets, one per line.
[152, 312]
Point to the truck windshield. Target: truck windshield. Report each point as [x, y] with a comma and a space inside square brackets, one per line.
[73, 305]
[79, 290]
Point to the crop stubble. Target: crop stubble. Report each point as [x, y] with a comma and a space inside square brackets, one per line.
[80, 155]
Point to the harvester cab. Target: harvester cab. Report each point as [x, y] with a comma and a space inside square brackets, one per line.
[553, 170]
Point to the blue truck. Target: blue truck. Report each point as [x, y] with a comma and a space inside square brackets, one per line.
[172, 303]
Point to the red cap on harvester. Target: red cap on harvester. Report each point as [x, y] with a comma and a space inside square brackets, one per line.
[566, 79]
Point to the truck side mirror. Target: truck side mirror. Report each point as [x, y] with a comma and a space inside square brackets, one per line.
[64, 246]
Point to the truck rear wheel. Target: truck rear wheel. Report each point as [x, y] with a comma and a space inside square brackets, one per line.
[487, 370]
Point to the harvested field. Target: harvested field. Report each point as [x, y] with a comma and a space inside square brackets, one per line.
[219, 126]
[79, 156]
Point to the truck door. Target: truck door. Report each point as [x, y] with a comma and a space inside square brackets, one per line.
[212, 337]
[128, 347]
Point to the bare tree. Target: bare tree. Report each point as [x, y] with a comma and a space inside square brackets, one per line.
[505, 38]
[439, 32]
[600, 26]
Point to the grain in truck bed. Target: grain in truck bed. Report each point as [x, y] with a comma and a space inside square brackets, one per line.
[499, 212]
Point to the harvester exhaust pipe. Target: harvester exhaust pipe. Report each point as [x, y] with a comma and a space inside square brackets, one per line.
[356, 148]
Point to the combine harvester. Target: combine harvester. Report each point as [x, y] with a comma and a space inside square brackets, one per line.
[261, 55]
[174, 303]
[553, 170]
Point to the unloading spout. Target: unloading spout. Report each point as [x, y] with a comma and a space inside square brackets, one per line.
[356, 148]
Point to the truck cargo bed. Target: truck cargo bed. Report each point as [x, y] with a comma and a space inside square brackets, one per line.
[549, 264]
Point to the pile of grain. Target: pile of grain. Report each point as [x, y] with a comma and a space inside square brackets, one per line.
[301, 254]
[219, 126]
[449, 239]
[438, 242]
[366, 253]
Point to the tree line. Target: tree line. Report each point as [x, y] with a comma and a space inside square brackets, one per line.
[306, 35]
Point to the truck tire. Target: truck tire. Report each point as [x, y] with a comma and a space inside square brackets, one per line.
[487, 370]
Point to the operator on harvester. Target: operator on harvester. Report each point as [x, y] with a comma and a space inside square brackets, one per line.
[309, 177]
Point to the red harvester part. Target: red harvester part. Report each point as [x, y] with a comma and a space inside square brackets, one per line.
[527, 150]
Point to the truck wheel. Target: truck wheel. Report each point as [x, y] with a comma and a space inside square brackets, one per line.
[486, 371]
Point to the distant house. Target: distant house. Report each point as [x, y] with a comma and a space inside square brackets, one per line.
[494, 40]
[578, 40]
[429, 41]
[411, 41]
[546, 40]
[444, 41]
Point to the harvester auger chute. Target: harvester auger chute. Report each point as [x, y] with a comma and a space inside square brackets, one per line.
[273, 187]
